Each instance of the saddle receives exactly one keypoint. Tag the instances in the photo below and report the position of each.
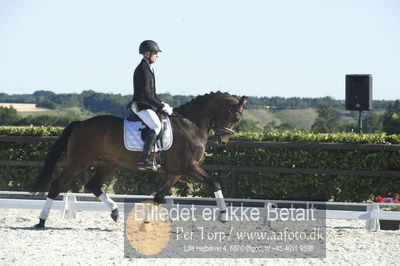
(135, 132)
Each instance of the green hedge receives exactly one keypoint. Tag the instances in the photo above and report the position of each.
(308, 187)
(243, 185)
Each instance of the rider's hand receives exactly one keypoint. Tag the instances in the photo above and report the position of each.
(166, 104)
(168, 109)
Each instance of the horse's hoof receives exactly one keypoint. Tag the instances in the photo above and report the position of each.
(223, 216)
(40, 224)
(114, 215)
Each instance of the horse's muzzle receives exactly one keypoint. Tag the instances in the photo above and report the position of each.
(220, 142)
(222, 132)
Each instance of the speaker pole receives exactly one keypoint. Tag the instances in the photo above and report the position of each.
(360, 122)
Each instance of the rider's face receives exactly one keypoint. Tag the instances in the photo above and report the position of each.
(151, 56)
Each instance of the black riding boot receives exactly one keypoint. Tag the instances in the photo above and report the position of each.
(144, 163)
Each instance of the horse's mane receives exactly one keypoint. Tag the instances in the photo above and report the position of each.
(201, 99)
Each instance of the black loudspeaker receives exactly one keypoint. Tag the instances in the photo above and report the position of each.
(359, 92)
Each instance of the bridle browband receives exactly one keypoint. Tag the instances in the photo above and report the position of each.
(223, 130)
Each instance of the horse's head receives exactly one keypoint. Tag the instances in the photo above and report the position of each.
(219, 111)
(227, 119)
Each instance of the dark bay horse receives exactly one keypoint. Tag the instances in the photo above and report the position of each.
(99, 142)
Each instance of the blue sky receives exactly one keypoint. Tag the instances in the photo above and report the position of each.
(258, 48)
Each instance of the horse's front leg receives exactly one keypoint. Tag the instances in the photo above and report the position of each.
(168, 182)
(203, 176)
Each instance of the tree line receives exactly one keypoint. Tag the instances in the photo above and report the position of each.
(115, 104)
(389, 121)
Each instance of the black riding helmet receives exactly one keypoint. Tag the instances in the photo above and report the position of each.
(149, 45)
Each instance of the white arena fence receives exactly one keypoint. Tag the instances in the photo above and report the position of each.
(70, 203)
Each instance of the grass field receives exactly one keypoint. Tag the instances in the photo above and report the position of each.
(301, 118)
(27, 109)
(73, 111)
(263, 116)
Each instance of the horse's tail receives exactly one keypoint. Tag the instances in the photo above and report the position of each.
(53, 155)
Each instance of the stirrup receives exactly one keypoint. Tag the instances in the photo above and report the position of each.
(147, 165)
(156, 165)
(144, 165)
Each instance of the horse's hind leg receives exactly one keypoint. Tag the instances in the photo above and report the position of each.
(56, 187)
(103, 172)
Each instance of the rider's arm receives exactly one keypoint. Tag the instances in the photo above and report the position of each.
(148, 91)
(143, 80)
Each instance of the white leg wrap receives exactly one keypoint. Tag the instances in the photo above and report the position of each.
(220, 200)
(108, 201)
(46, 209)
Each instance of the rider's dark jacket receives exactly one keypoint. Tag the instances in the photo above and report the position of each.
(145, 88)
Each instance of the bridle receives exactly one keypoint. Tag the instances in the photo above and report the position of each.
(224, 130)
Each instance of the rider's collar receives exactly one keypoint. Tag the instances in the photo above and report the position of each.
(147, 61)
(148, 65)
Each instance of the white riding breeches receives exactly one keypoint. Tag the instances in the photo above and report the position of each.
(149, 117)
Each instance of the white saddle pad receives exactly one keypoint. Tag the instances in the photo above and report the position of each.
(133, 139)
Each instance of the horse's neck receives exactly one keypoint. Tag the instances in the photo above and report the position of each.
(202, 116)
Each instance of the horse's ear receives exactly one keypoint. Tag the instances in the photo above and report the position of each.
(243, 100)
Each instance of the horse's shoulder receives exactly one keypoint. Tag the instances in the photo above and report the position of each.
(180, 121)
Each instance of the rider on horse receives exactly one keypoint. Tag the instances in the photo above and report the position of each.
(145, 102)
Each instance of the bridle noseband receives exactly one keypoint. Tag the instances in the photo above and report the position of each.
(223, 130)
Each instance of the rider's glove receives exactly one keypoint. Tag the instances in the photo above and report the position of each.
(168, 109)
(166, 104)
